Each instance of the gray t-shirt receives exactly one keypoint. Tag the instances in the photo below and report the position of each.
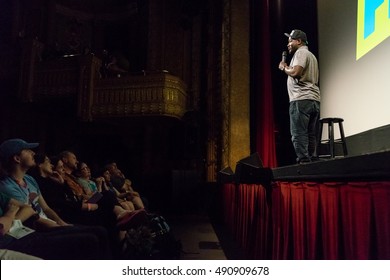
(306, 87)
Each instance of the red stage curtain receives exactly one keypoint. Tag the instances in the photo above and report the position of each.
(356, 220)
(381, 205)
(330, 220)
(229, 205)
(277, 230)
(287, 221)
(297, 218)
(249, 198)
(309, 220)
(260, 237)
(242, 215)
(246, 214)
(265, 127)
(298, 222)
(311, 215)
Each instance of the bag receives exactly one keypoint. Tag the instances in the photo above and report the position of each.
(152, 241)
(166, 246)
(158, 226)
(137, 244)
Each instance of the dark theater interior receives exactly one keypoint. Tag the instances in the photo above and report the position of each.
(186, 97)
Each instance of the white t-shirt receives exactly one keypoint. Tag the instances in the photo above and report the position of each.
(306, 87)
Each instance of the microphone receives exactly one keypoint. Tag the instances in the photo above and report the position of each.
(284, 56)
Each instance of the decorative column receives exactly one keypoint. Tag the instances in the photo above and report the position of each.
(235, 82)
(228, 116)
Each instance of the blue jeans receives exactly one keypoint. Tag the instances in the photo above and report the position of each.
(304, 126)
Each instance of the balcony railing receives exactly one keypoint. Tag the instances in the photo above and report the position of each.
(158, 94)
(155, 93)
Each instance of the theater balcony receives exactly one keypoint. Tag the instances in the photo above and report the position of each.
(148, 93)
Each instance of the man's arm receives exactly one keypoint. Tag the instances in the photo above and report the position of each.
(50, 213)
(8, 217)
(295, 72)
(25, 211)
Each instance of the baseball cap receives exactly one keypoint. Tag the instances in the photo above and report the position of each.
(12, 147)
(297, 34)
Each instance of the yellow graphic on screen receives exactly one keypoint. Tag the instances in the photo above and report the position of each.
(373, 25)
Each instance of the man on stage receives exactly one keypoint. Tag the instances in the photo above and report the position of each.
(304, 94)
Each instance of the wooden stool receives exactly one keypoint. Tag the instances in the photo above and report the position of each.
(330, 141)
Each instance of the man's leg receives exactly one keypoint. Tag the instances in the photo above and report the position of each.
(313, 128)
(14, 255)
(299, 121)
(54, 245)
(99, 232)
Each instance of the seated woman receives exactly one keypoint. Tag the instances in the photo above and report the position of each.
(83, 174)
(105, 212)
(123, 185)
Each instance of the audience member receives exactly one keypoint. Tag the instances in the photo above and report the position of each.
(17, 158)
(59, 244)
(61, 198)
(48, 197)
(126, 219)
(83, 174)
(123, 185)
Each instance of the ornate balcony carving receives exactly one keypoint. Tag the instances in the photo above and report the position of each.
(56, 78)
(145, 94)
(153, 94)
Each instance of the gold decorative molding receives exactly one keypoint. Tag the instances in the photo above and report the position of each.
(147, 94)
(89, 77)
(235, 92)
(226, 83)
(155, 94)
(56, 78)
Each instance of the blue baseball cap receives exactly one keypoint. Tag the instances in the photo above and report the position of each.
(12, 147)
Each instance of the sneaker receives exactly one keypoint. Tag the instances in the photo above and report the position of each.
(304, 160)
(315, 158)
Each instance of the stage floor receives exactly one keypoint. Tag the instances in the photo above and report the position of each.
(374, 166)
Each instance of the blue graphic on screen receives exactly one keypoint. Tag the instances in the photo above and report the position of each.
(369, 16)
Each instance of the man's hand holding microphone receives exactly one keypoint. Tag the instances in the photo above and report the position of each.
(283, 63)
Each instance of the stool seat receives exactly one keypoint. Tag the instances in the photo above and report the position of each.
(334, 120)
(330, 141)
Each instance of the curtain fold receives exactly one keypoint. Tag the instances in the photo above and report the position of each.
(330, 220)
(262, 79)
(261, 236)
(277, 210)
(356, 220)
(298, 220)
(381, 208)
(310, 220)
(229, 205)
(285, 220)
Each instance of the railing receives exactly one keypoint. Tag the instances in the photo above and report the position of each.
(155, 93)
(57, 78)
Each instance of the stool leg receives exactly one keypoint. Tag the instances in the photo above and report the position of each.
(331, 139)
(343, 139)
(319, 136)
